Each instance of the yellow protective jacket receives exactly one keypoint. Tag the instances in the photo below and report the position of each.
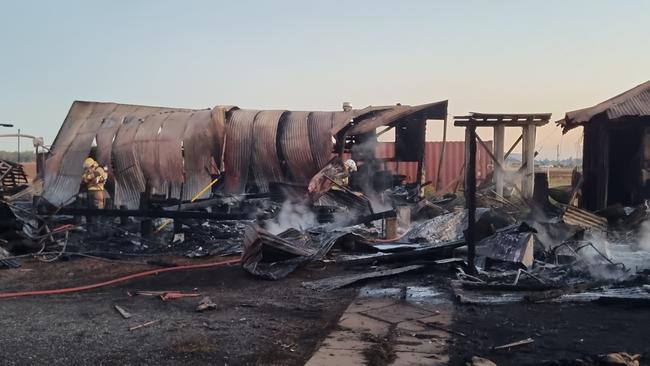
(342, 180)
(95, 178)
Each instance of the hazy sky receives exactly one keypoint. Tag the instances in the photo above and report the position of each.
(487, 56)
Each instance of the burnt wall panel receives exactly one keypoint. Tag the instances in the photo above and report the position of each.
(266, 166)
(595, 166)
(238, 150)
(202, 145)
(294, 143)
(129, 179)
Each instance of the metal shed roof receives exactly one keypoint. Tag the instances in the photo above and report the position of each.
(170, 146)
(632, 103)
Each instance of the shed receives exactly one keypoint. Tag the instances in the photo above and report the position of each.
(616, 150)
(176, 152)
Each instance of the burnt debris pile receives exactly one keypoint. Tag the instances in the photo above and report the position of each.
(285, 190)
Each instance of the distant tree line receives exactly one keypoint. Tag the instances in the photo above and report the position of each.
(25, 156)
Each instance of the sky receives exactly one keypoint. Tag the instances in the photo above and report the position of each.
(483, 56)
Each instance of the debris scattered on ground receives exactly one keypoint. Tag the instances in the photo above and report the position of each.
(329, 284)
(125, 314)
(147, 324)
(480, 361)
(509, 346)
(206, 304)
(167, 296)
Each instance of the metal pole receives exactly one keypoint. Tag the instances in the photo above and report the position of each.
(18, 146)
(470, 196)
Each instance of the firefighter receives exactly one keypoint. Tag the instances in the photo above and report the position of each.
(343, 179)
(94, 177)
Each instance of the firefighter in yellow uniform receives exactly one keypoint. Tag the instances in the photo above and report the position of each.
(94, 177)
(342, 180)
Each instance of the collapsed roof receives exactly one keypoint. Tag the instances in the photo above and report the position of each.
(633, 103)
(179, 151)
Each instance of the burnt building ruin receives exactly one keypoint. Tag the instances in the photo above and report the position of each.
(616, 152)
(177, 152)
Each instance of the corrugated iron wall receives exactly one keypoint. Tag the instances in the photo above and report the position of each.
(452, 165)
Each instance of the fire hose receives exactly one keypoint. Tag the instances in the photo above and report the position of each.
(8, 295)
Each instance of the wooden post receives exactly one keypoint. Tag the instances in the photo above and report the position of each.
(442, 154)
(499, 135)
(420, 179)
(528, 159)
(470, 195)
(146, 224)
(124, 220)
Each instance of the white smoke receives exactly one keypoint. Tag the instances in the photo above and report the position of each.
(292, 216)
(644, 236)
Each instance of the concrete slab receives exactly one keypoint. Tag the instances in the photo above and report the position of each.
(398, 313)
(360, 323)
(361, 305)
(338, 357)
(411, 326)
(419, 359)
(406, 343)
(345, 339)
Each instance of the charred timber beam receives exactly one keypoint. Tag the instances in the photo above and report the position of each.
(437, 252)
(373, 217)
(78, 211)
(470, 196)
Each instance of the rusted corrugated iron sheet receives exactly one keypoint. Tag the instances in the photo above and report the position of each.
(129, 179)
(66, 163)
(180, 156)
(170, 147)
(73, 143)
(632, 103)
(239, 149)
(170, 153)
(266, 166)
(370, 121)
(320, 126)
(452, 166)
(104, 138)
(294, 142)
(146, 149)
(202, 145)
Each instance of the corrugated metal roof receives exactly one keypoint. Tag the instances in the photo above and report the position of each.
(383, 116)
(294, 141)
(169, 147)
(146, 148)
(129, 179)
(266, 166)
(320, 136)
(72, 145)
(203, 148)
(632, 103)
(239, 149)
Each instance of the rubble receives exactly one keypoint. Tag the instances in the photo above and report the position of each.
(206, 304)
(329, 284)
(125, 314)
(503, 244)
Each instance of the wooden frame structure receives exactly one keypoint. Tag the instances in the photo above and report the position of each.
(528, 124)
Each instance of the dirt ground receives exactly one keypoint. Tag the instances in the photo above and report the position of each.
(262, 322)
(560, 332)
(257, 322)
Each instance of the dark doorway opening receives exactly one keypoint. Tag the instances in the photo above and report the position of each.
(625, 158)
